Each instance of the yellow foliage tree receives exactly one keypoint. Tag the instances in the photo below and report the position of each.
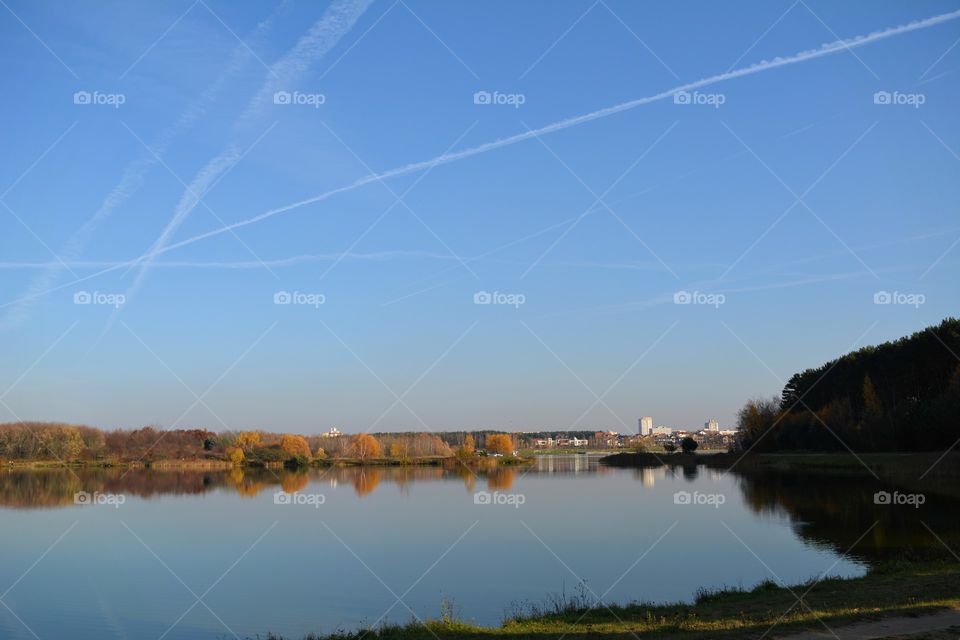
(501, 443)
(247, 440)
(364, 447)
(400, 451)
(235, 455)
(295, 446)
(468, 448)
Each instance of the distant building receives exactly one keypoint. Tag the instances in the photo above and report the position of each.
(607, 439)
(646, 425)
(711, 425)
(333, 433)
(662, 431)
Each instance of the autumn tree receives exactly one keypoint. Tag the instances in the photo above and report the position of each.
(235, 455)
(755, 419)
(500, 443)
(400, 451)
(365, 447)
(295, 447)
(468, 448)
(249, 440)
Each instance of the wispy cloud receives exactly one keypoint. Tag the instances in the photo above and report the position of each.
(133, 176)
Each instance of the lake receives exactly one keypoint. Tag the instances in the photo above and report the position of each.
(202, 555)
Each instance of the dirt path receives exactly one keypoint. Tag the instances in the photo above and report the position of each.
(887, 628)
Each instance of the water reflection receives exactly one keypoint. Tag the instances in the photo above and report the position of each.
(823, 510)
(842, 514)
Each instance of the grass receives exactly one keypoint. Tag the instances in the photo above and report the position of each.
(897, 589)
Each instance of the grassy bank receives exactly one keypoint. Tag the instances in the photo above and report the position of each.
(891, 590)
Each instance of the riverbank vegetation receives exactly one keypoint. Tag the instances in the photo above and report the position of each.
(898, 396)
(53, 444)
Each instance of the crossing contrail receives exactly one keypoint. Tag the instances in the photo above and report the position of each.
(325, 33)
(803, 56)
(134, 174)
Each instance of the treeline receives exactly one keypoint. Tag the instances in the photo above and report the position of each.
(897, 396)
(58, 442)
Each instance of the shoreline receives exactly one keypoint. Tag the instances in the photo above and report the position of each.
(214, 464)
(890, 591)
(933, 472)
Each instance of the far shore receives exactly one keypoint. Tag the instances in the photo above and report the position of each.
(217, 464)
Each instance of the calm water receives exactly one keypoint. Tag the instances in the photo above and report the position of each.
(213, 555)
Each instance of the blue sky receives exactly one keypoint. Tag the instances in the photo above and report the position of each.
(786, 198)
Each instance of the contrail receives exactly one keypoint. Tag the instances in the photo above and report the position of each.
(803, 56)
(336, 22)
(373, 256)
(133, 176)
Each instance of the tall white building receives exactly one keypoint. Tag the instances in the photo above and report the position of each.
(646, 425)
(711, 425)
